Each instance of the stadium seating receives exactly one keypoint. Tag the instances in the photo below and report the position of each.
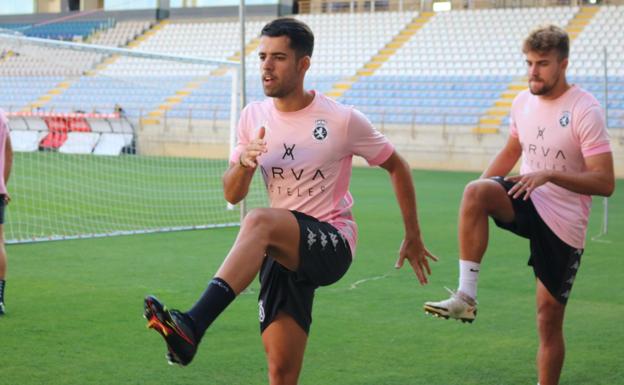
(26, 141)
(473, 42)
(72, 133)
(40, 61)
(58, 128)
(53, 140)
(68, 134)
(99, 125)
(140, 86)
(121, 34)
(79, 143)
(451, 72)
(212, 100)
(19, 91)
(137, 95)
(17, 27)
(453, 69)
(217, 40)
(441, 100)
(343, 43)
(112, 143)
(51, 65)
(68, 30)
(604, 35)
(48, 62)
(120, 137)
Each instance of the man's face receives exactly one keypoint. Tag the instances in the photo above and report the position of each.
(544, 71)
(281, 71)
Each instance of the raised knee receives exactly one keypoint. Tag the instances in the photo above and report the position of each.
(281, 371)
(257, 218)
(257, 224)
(475, 192)
(483, 194)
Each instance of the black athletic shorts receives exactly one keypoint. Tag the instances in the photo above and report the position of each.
(324, 255)
(554, 262)
(2, 206)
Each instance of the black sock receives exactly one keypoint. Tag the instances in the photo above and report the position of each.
(217, 296)
(2, 285)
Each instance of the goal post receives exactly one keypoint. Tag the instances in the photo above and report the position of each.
(112, 141)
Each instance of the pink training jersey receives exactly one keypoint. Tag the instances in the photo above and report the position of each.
(308, 164)
(558, 135)
(4, 132)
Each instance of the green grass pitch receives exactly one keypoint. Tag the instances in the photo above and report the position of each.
(75, 307)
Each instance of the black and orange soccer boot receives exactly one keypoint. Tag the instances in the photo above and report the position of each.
(175, 327)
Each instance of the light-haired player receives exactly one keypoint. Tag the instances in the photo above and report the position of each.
(6, 163)
(302, 144)
(559, 131)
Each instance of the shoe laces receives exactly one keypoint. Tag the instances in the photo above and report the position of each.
(452, 292)
(462, 296)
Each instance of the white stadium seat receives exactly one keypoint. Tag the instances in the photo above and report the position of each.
(112, 144)
(79, 143)
(26, 141)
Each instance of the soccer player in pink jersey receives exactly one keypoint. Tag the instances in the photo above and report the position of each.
(559, 131)
(302, 144)
(6, 162)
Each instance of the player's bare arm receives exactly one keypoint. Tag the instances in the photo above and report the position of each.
(237, 178)
(412, 247)
(597, 178)
(8, 165)
(505, 160)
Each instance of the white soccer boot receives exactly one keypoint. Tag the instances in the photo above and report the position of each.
(460, 306)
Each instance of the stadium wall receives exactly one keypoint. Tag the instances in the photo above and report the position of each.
(454, 148)
(184, 138)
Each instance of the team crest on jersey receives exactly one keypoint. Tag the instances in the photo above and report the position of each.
(320, 130)
(564, 120)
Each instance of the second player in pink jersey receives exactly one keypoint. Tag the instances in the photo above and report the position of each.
(302, 144)
(558, 131)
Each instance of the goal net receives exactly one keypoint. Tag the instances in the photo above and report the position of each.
(111, 141)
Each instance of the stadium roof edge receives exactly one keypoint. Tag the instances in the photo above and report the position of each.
(220, 12)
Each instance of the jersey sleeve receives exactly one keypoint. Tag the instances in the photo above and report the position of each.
(513, 129)
(366, 141)
(592, 132)
(242, 137)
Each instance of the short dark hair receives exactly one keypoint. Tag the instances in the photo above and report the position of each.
(546, 39)
(300, 35)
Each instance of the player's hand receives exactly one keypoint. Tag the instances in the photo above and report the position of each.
(255, 148)
(527, 183)
(7, 198)
(416, 253)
